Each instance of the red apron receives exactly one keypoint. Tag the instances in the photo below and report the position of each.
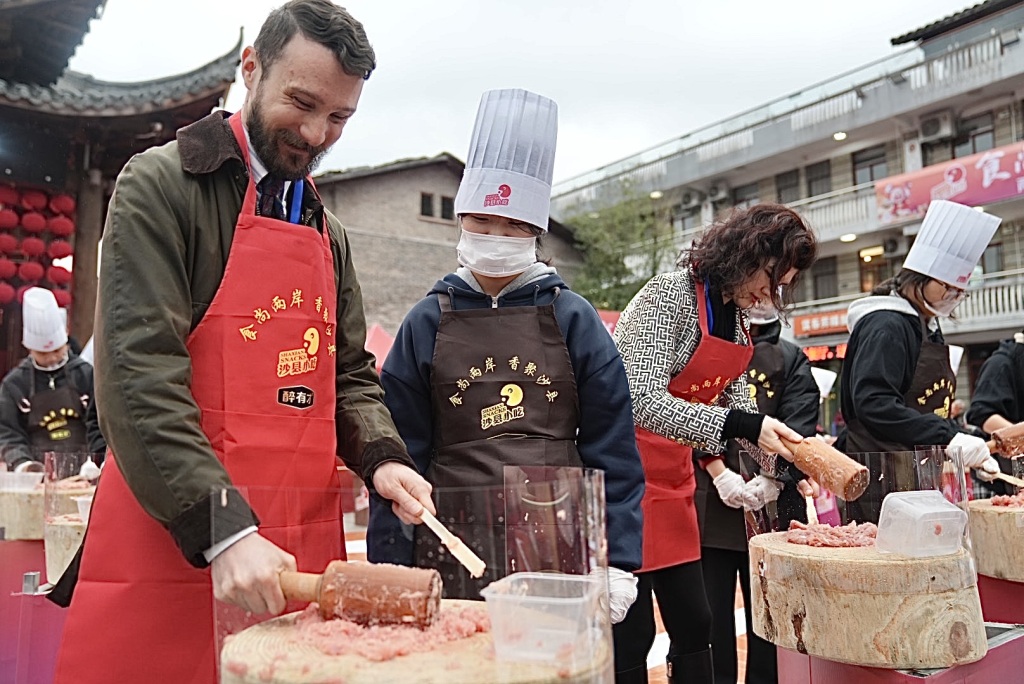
(263, 376)
(671, 533)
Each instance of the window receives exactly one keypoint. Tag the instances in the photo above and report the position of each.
(447, 208)
(819, 178)
(745, 196)
(874, 268)
(869, 165)
(824, 278)
(974, 135)
(426, 204)
(787, 186)
(992, 259)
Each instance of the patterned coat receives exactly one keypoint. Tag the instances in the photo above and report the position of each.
(657, 335)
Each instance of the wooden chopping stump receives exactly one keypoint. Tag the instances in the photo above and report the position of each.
(21, 513)
(997, 535)
(271, 652)
(859, 606)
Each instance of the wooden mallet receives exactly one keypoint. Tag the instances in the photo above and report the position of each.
(832, 469)
(369, 593)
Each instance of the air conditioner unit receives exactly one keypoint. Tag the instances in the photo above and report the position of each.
(718, 192)
(895, 247)
(939, 126)
(692, 199)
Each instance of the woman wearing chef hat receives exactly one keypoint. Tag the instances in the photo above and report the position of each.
(897, 382)
(780, 381)
(501, 364)
(43, 400)
(686, 349)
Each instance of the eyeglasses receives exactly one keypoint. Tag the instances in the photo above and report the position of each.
(953, 294)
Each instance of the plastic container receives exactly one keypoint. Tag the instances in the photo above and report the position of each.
(20, 481)
(543, 617)
(84, 506)
(920, 524)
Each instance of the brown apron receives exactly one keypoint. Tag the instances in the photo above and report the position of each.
(504, 393)
(722, 527)
(56, 418)
(931, 391)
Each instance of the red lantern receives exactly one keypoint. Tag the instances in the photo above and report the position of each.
(58, 275)
(7, 293)
(7, 269)
(61, 225)
(63, 298)
(31, 271)
(33, 222)
(34, 199)
(62, 204)
(58, 249)
(8, 219)
(9, 196)
(33, 246)
(20, 295)
(8, 243)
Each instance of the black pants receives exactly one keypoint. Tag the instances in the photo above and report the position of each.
(684, 610)
(720, 570)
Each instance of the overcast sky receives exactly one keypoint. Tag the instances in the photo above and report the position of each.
(626, 75)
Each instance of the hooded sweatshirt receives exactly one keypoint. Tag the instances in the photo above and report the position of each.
(605, 439)
(881, 357)
(1000, 386)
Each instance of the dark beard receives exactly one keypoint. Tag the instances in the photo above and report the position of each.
(267, 145)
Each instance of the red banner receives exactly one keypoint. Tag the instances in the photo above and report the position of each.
(821, 323)
(982, 178)
(609, 318)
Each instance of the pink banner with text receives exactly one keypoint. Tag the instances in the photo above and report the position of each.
(982, 178)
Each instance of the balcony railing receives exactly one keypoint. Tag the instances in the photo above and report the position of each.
(996, 302)
(850, 210)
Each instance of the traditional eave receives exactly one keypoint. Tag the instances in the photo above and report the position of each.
(79, 95)
(955, 21)
(446, 159)
(38, 37)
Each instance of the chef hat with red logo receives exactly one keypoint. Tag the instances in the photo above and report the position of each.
(951, 241)
(511, 158)
(43, 327)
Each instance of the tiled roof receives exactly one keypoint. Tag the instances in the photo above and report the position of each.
(77, 94)
(445, 158)
(953, 21)
(38, 37)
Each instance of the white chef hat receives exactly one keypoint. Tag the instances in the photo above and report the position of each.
(951, 241)
(762, 313)
(42, 327)
(511, 158)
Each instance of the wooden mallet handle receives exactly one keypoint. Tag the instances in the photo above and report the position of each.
(832, 469)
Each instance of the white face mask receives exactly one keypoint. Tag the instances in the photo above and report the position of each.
(53, 366)
(945, 306)
(496, 255)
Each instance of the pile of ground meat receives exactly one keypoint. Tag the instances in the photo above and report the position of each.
(341, 637)
(825, 535)
(1015, 500)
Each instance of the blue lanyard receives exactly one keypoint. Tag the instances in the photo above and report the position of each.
(295, 215)
(707, 303)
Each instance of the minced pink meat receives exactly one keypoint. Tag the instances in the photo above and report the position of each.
(1015, 500)
(342, 637)
(845, 536)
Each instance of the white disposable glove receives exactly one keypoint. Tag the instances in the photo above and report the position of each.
(730, 486)
(761, 491)
(974, 450)
(621, 593)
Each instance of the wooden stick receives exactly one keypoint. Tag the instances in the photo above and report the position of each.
(462, 553)
(812, 512)
(1015, 481)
